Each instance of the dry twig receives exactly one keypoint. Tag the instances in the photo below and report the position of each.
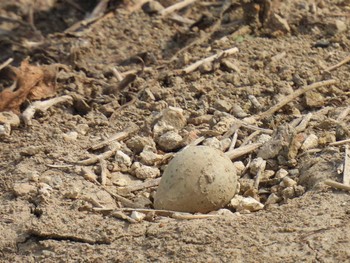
(293, 96)
(42, 106)
(339, 142)
(6, 63)
(101, 156)
(119, 136)
(337, 185)
(212, 58)
(104, 171)
(167, 213)
(242, 150)
(141, 186)
(346, 173)
(341, 63)
(176, 7)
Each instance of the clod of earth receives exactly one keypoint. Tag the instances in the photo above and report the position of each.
(198, 179)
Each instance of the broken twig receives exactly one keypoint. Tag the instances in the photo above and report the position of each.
(346, 173)
(341, 63)
(212, 58)
(242, 150)
(116, 137)
(6, 63)
(102, 156)
(293, 96)
(176, 7)
(43, 106)
(337, 185)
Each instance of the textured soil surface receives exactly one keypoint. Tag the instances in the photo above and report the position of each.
(122, 73)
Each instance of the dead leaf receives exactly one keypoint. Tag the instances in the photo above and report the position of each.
(33, 83)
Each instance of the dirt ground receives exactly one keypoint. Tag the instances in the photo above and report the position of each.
(122, 72)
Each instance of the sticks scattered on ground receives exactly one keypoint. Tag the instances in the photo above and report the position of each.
(293, 96)
(339, 142)
(341, 63)
(337, 185)
(99, 9)
(141, 186)
(175, 7)
(42, 106)
(101, 156)
(346, 173)
(166, 213)
(242, 150)
(119, 136)
(6, 63)
(212, 58)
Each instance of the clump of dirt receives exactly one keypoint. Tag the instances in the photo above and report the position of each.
(265, 82)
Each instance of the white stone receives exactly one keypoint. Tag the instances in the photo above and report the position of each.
(137, 216)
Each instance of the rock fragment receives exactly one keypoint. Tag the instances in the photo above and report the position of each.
(169, 141)
(138, 143)
(23, 189)
(144, 172)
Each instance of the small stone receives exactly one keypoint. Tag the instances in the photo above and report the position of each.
(310, 142)
(82, 129)
(121, 179)
(267, 174)
(263, 138)
(44, 189)
(138, 143)
(222, 105)
(257, 164)
(9, 118)
(250, 204)
(122, 161)
(212, 142)
(272, 199)
(148, 157)
(294, 172)
(287, 182)
(72, 193)
(279, 24)
(239, 165)
(206, 67)
(33, 176)
(299, 190)
(22, 189)
(52, 181)
(246, 184)
(241, 203)
(281, 173)
(314, 99)
(170, 141)
(235, 201)
(152, 7)
(137, 216)
(5, 130)
(336, 27)
(174, 117)
(225, 144)
(238, 112)
(70, 136)
(288, 193)
(144, 172)
(224, 124)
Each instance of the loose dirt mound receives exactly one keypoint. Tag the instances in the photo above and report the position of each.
(101, 94)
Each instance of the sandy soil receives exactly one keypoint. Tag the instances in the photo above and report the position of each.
(53, 211)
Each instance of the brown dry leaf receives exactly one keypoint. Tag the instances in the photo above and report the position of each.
(33, 83)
